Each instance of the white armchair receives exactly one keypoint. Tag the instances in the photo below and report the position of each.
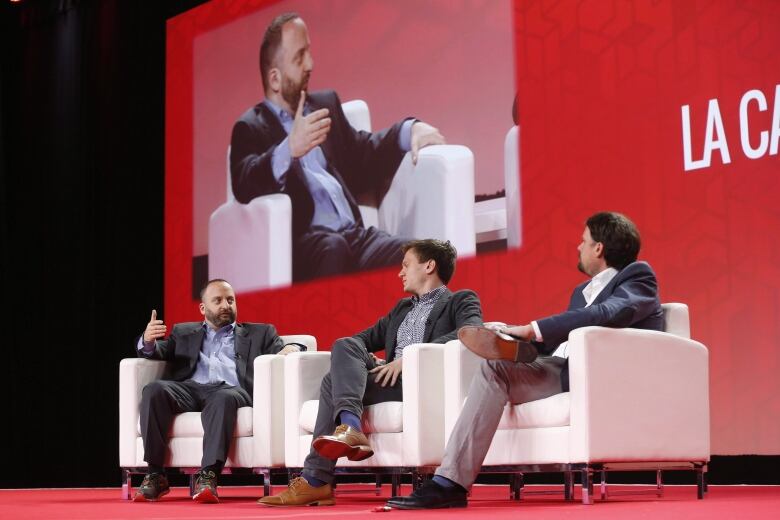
(408, 209)
(259, 433)
(639, 399)
(407, 437)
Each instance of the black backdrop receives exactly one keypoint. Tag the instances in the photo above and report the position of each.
(82, 161)
(82, 89)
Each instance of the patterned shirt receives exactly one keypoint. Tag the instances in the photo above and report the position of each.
(412, 328)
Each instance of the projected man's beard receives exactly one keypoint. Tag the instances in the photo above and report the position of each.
(291, 91)
(221, 319)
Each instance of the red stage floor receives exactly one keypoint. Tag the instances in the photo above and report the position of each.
(722, 502)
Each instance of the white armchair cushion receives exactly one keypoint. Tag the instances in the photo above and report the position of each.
(543, 413)
(378, 418)
(189, 424)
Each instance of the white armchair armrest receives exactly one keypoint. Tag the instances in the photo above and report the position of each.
(460, 364)
(423, 410)
(303, 373)
(409, 209)
(134, 375)
(268, 411)
(637, 395)
(265, 225)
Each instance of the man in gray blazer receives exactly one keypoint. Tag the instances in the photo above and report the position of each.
(621, 292)
(357, 378)
(211, 367)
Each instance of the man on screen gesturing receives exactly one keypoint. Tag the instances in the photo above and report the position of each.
(301, 144)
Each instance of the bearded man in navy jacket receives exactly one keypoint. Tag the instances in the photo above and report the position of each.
(621, 292)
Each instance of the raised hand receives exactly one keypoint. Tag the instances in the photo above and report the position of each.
(424, 135)
(155, 329)
(309, 131)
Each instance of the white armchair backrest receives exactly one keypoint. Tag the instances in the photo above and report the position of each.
(357, 114)
(514, 235)
(230, 196)
(676, 320)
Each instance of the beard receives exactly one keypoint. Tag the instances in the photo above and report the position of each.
(291, 91)
(221, 319)
(581, 267)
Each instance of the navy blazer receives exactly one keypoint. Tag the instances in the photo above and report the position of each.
(450, 312)
(630, 299)
(182, 349)
(363, 163)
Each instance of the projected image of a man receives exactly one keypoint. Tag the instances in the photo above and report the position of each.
(300, 143)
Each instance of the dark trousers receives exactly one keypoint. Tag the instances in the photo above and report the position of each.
(347, 387)
(322, 252)
(218, 403)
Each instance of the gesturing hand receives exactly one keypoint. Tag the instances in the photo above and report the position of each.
(308, 131)
(387, 373)
(155, 329)
(424, 135)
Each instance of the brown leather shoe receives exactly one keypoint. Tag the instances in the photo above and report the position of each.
(300, 493)
(345, 442)
(491, 344)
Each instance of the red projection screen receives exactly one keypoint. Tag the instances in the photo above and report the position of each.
(666, 111)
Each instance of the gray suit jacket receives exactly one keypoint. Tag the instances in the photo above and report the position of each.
(630, 299)
(451, 311)
(182, 349)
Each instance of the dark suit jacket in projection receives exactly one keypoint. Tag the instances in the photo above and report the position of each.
(363, 163)
(629, 300)
(451, 311)
(182, 349)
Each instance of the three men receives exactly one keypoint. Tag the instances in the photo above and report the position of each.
(621, 292)
(433, 314)
(301, 144)
(211, 371)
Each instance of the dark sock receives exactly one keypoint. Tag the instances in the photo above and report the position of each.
(156, 469)
(216, 468)
(350, 419)
(446, 483)
(314, 481)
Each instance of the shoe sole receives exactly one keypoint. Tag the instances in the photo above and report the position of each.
(489, 344)
(205, 497)
(323, 502)
(140, 497)
(446, 505)
(333, 449)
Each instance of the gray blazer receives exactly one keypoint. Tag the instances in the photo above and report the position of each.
(451, 311)
(182, 349)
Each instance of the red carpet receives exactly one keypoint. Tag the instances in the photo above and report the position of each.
(722, 502)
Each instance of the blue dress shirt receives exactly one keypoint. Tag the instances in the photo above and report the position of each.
(331, 208)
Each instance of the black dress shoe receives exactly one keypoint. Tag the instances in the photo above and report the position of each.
(154, 486)
(206, 487)
(491, 344)
(431, 496)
